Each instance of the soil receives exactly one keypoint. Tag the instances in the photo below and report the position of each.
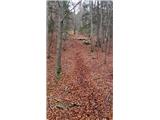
(84, 91)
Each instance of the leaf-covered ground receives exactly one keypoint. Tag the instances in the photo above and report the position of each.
(84, 91)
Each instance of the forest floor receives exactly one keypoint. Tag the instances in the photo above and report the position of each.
(84, 91)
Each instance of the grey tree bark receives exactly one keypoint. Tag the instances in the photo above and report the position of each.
(59, 42)
(100, 28)
(108, 42)
(74, 21)
(98, 43)
(61, 17)
(91, 34)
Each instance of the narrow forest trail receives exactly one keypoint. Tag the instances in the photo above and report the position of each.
(85, 89)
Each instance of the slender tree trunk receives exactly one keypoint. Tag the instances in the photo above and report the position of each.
(49, 42)
(59, 43)
(98, 26)
(79, 21)
(108, 37)
(105, 57)
(74, 22)
(111, 31)
(91, 34)
(50, 32)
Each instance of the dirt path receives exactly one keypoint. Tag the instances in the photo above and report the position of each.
(85, 89)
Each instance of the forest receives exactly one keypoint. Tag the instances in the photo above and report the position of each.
(79, 60)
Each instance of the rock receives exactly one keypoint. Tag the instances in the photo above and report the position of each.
(86, 42)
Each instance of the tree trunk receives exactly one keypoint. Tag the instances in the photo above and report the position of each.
(79, 21)
(98, 26)
(107, 46)
(74, 22)
(59, 43)
(49, 42)
(105, 57)
(91, 34)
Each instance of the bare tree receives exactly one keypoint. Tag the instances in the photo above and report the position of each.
(50, 27)
(101, 22)
(59, 41)
(98, 43)
(108, 40)
(61, 17)
(91, 34)
(74, 21)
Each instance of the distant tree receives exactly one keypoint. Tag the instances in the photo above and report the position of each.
(50, 25)
(98, 43)
(108, 34)
(66, 23)
(91, 34)
(61, 18)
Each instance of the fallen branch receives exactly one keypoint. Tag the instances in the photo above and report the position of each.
(64, 106)
(61, 105)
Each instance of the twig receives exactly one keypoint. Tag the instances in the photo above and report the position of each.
(70, 10)
(58, 3)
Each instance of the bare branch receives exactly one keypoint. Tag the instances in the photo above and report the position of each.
(58, 3)
(71, 10)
